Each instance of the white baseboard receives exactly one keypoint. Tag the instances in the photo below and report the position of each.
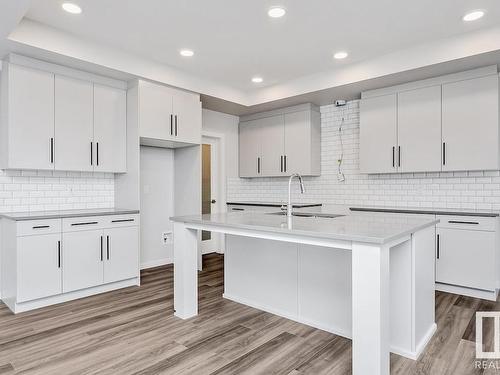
(332, 329)
(470, 292)
(156, 263)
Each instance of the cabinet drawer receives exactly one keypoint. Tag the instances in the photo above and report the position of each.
(76, 224)
(34, 227)
(114, 221)
(467, 222)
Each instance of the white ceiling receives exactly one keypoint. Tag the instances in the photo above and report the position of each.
(234, 40)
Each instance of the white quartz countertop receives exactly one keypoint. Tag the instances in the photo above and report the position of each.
(366, 227)
(40, 215)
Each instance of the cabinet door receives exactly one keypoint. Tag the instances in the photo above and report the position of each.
(30, 118)
(470, 124)
(74, 128)
(272, 137)
(378, 135)
(250, 149)
(466, 258)
(298, 143)
(82, 258)
(155, 111)
(39, 267)
(110, 129)
(419, 129)
(187, 117)
(122, 254)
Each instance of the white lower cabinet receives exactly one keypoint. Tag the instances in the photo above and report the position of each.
(82, 261)
(56, 260)
(39, 259)
(121, 259)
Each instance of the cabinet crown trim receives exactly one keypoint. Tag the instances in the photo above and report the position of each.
(280, 111)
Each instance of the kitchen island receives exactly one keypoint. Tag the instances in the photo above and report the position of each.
(368, 276)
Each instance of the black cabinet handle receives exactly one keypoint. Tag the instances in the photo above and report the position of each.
(97, 152)
(107, 247)
(41, 226)
(444, 153)
(171, 124)
(399, 156)
(52, 150)
(258, 165)
(437, 247)
(58, 254)
(101, 250)
(87, 223)
(237, 209)
(121, 220)
(393, 157)
(91, 153)
(176, 125)
(284, 164)
(463, 222)
(281, 163)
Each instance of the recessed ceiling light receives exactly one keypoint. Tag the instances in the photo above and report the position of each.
(71, 8)
(341, 55)
(473, 16)
(276, 12)
(186, 52)
(257, 79)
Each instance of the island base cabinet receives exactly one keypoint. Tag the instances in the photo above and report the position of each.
(40, 265)
(82, 260)
(121, 260)
(466, 258)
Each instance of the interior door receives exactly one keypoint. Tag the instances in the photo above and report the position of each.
(470, 124)
(272, 136)
(378, 134)
(155, 111)
(110, 129)
(82, 258)
(74, 124)
(31, 118)
(466, 258)
(39, 266)
(297, 135)
(187, 117)
(250, 149)
(419, 128)
(121, 260)
(210, 191)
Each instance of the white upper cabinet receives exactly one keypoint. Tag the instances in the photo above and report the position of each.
(155, 111)
(250, 149)
(378, 150)
(74, 110)
(281, 142)
(187, 117)
(56, 118)
(168, 117)
(470, 124)
(447, 123)
(419, 130)
(110, 129)
(272, 138)
(27, 129)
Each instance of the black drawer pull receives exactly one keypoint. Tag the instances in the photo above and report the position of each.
(237, 209)
(88, 223)
(121, 220)
(58, 254)
(41, 227)
(463, 222)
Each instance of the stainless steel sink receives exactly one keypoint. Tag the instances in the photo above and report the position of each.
(307, 214)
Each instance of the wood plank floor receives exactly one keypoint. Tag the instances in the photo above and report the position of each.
(133, 331)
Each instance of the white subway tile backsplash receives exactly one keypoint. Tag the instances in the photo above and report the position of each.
(51, 190)
(468, 190)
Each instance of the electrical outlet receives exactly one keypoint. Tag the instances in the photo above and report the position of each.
(167, 238)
